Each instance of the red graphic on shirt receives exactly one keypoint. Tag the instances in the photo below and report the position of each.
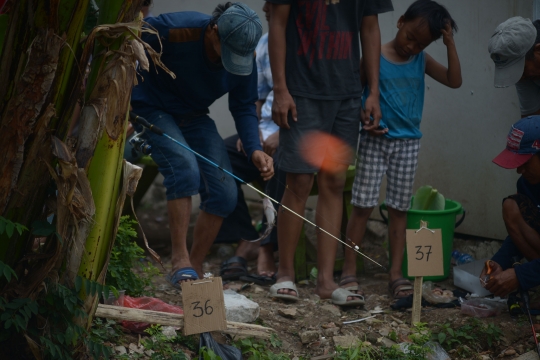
(316, 38)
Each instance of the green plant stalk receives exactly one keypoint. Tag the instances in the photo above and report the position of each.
(104, 174)
(71, 15)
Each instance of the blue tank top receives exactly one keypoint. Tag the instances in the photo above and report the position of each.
(401, 87)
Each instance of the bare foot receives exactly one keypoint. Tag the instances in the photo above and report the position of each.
(350, 283)
(286, 291)
(325, 291)
(266, 265)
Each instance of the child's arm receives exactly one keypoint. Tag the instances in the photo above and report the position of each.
(450, 77)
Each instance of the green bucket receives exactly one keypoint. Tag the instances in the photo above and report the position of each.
(436, 219)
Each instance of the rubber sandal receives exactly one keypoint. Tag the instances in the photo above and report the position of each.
(399, 285)
(289, 285)
(183, 274)
(349, 279)
(236, 263)
(340, 295)
(259, 279)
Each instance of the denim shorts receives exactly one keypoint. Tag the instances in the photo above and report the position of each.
(186, 174)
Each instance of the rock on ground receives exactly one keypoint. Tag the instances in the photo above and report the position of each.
(346, 341)
(531, 355)
(239, 308)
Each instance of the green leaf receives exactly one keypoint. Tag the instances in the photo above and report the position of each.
(441, 337)
(9, 229)
(3, 223)
(78, 283)
(450, 331)
(42, 228)
(87, 286)
(106, 292)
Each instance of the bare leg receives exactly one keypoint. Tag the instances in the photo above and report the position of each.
(248, 250)
(356, 229)
(266, 264)
(329, 212)
(523, 236)
(179, 211)
(396, 233)
(205, 232)
(289, 225)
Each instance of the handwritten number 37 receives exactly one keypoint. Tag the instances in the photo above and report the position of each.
(208, 310)
(420, 254)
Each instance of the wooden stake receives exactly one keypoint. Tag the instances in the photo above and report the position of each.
(417, 300)
(177, 320)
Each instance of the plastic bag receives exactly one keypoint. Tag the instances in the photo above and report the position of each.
(147, 303)
(481, 307)
(434, 296)
(225, 352)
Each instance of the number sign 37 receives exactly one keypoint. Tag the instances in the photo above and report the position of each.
(424, 252)
(204, 307)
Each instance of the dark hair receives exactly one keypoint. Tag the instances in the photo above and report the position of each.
(147, 3)
(434, 14)
(530, 53)
(218, 11)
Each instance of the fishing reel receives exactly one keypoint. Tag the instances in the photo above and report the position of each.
(140, 145)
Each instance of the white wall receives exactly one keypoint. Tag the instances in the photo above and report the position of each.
(464, 128)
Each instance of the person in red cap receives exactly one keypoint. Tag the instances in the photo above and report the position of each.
(521, 213)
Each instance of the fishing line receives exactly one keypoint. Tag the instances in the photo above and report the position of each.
(143, 122)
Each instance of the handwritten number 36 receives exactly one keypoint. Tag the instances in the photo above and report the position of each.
(208, 310)
(420, 254)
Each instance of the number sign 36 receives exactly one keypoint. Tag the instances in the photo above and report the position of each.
(424, 252)
(204, 307)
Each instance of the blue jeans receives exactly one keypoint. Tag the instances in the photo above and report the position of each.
(186, 174)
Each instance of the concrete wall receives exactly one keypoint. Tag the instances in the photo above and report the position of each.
(463, 129)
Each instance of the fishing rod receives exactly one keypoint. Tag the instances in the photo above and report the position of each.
(156, 130)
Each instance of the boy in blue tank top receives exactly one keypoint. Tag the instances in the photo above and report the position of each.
(392, 149)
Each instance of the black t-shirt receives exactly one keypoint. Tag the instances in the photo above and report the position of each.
(323, 46)
(529, 190)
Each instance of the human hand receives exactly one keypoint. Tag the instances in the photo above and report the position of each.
(493, 269)
(282, 105)
(264, 163)
(271, 144)
(503, 283)
(240, 146)
(371, 116)
(448, 35)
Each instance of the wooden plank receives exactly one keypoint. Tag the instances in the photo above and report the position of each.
(177, 320)
(417, 300)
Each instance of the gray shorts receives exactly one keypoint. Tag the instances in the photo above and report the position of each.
(378, 155)
(340, 118)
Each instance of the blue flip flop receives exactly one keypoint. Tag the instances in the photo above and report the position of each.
(187, 273)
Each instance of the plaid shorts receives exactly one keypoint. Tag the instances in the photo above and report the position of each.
(378, 155)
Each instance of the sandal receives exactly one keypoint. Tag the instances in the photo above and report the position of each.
(236, 263)
(340, 295)
(353, 288)
(289, 285)
(400, 285)
(183, 274)
(259, 279)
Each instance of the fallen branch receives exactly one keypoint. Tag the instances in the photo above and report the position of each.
(177, 320)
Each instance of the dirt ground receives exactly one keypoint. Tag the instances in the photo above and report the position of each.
(312, 314)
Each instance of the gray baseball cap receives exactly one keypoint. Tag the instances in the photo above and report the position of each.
(508, 46)
(239, 30)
